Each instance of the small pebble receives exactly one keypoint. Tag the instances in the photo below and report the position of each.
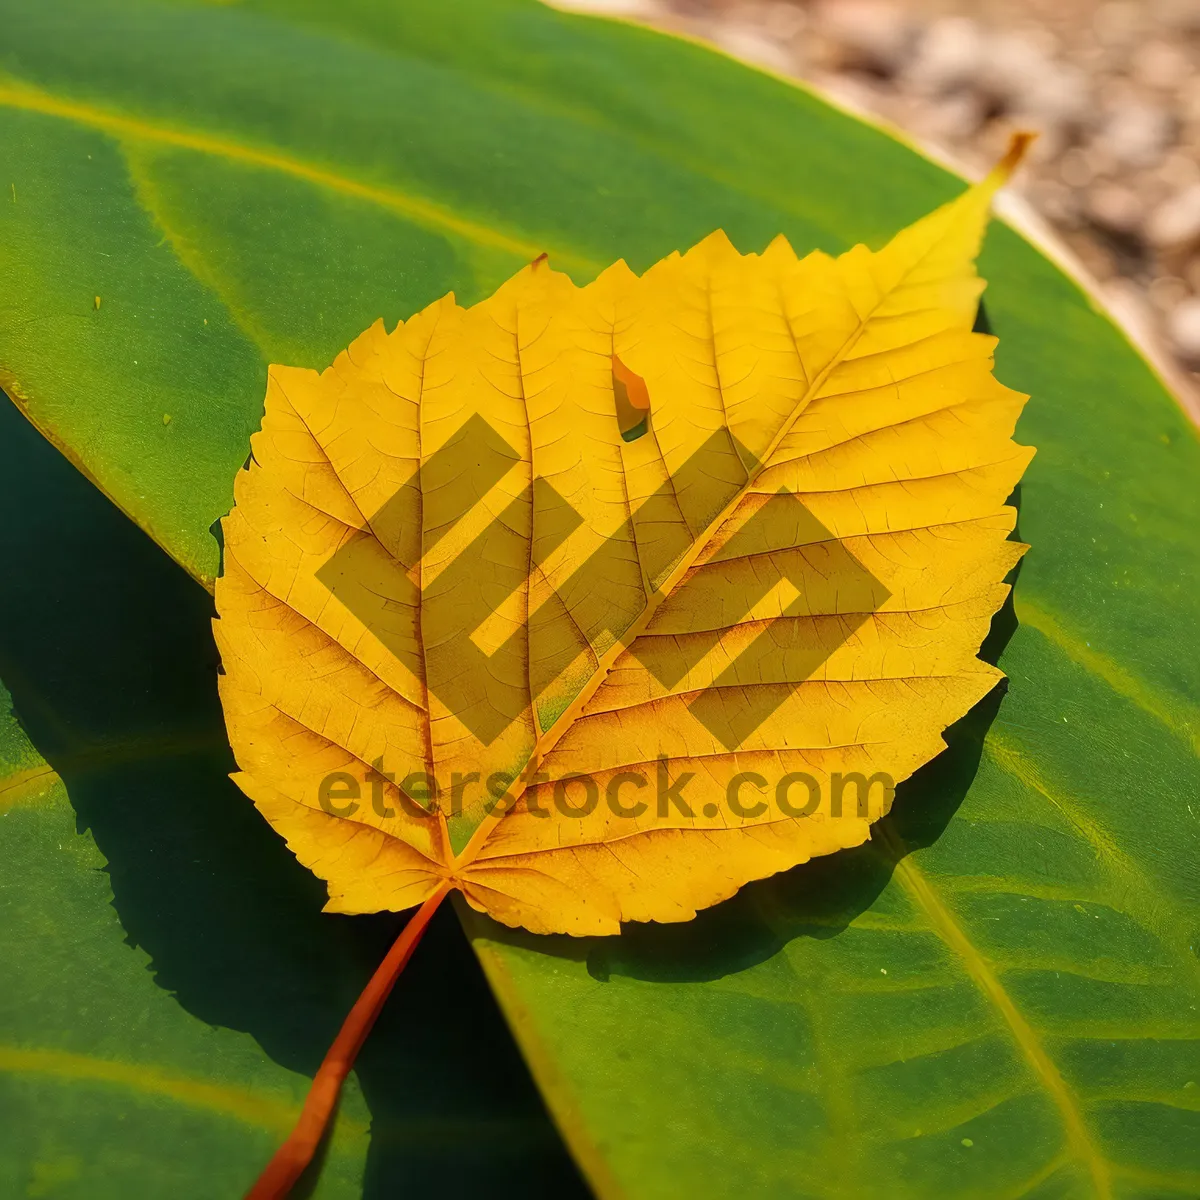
(1160, 65)
(1176, 222)
(1183, 15)
(1076, 169)
(1183, 326)
(949, 55)
(1115, 208)
(1168, 291)
(872, 33)
(1137, 133)
(754, 45)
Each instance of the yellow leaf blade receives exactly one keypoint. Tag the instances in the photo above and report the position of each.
(450, 577)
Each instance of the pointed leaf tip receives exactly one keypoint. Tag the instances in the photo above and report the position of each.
(1018, 146)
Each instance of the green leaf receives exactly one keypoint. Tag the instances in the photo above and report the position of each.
(170, 983)
(238, 188)
(996, 997)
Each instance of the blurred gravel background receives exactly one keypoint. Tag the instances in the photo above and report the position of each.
(1113, 86)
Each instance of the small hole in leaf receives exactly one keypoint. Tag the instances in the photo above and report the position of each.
(632, 401)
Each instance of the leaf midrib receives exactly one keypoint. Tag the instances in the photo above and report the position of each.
(16, 94)
(944, 924)
(241, 1104)
(1145, 902)
(25, 782)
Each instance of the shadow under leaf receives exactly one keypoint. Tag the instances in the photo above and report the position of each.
(106, 648)
(817, 899)
(107, 651)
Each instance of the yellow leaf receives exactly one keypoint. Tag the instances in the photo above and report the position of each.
(596, 603)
